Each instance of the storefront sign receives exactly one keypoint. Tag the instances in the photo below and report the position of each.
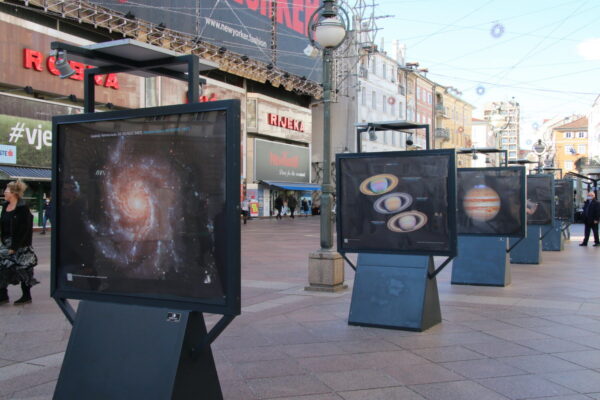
(285, 122)
(276, 118)
(36, 61)
(8, 154)
(281, 162)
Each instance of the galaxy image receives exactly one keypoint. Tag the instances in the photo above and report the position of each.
(540, 192)
(142, 206)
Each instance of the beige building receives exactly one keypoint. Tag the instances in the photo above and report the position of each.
(570, 144)
(453, 122)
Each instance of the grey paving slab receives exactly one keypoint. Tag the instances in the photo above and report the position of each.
(269, 368)
(327, 396)
(555, 345)
(421, 373)
(540, 363)
(500, 349)
(237, 390)
(267, 388)
(588, 359)
(448, 353)
(524, 386)
(357, 379)
(460, 390)
(482, 368)
(581, 381)
(393, 393)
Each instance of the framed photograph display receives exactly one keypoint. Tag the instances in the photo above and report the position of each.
(491, 201)
(397, 202)
(564, 200)
(540, 199)
(146, 207)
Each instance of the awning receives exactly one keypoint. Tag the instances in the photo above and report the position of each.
(30, 174)
(294, 186)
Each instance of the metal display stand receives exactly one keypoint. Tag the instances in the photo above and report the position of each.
(481, 260)
(133, 352)
(395, 291)
(527, 250)
(125, 351)
(553, 240)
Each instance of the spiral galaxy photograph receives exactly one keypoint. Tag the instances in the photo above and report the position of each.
(491, 201)
(142, 205)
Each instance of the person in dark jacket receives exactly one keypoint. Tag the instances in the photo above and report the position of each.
(47, 216)
(591, 216)
(17, 258)
(279, 206)
(292, 204)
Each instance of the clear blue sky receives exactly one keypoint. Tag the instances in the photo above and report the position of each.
(546, 55)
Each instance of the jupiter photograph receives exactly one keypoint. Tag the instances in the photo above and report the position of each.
(491, 201)
(143, 205)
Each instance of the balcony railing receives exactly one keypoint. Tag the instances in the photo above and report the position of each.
(442, 133)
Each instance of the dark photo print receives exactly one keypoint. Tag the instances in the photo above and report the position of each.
(491, 201)
(564, 199)
(141, 206)
(396, 202)
(540, 199)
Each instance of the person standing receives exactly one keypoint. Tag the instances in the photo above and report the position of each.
(245, 210)
(591, 216)
(17, 258)
(47, 210)
(304, 207)
(278, 206)
(292, 204)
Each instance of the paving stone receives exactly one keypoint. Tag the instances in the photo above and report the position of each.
(356, 379)
(287, 386)
(449, 353)
(588, 359)
(269, 368)
(524, 386)
(554, 345)
(421, 373)
(460, 390)
(581, 381)
(482, 368)
(540, 363)
(500, 349)
(393, 393)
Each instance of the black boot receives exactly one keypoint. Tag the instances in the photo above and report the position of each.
(3, 296)
(26, 298)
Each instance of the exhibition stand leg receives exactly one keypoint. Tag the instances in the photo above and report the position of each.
(529, 249)
(552, 237)
(395, 291)
(481, 260)
(128, 352)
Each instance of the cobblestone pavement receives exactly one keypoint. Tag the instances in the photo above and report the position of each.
(538, 338)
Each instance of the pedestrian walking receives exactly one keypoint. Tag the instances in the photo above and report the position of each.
(17, 258)
(245, 208)
(591, 216)
(278, 206)
(292, 204)
(47, 214)
(304, 207)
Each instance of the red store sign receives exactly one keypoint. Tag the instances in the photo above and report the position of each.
(34, 60)
(285, 122)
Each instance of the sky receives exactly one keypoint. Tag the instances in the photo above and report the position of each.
(544, 53)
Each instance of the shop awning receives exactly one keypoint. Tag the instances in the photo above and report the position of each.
(294, 186)
(25, 173)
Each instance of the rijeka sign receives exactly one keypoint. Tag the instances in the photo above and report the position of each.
(36, 61)
(285, 122)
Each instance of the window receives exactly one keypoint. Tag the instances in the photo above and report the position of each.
(581, 134)
(581, 148)
(363, 97)
(429, 98)
(374, 100)
(504, 140)
(400, 111)
(384, 103)
(568, 135)
(568, 165)
(512, 154)
(384, 70)
(393, 74)
(512, 147)
(569, 149)
(373, 66)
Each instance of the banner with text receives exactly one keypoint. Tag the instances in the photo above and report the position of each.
(281, 162)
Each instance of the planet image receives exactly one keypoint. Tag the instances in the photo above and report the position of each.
(392, 203)
(481, 203)
(378, 184)
(405, 222)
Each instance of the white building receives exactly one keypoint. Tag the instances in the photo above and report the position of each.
(482, 136)
(594, 129)
(509, 114)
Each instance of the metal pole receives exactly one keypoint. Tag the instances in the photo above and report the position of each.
(327, 188)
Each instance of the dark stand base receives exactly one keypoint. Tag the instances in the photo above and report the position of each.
(529, 250)
(481, 260)
(131, 352)
(394, 291)
(553, 239)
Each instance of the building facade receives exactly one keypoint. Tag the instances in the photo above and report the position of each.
(453, 123)
(571, 143)
(505, 116)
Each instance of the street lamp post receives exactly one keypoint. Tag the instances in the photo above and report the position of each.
(327, 29)
(539, 148)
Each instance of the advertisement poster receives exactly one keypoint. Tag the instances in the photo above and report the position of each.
(564, 199)
(400, 202)
(281, 162)
(540, 199)
(142, 206)
(491, 201)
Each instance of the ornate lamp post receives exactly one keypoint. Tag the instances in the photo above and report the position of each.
(327, 29)
(539, 148)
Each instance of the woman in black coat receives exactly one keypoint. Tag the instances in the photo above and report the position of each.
(17, 258)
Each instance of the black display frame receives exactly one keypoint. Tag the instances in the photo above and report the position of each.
(523, 195)
(451, 196)
(552, 201)
(571, 217)
(231, 304)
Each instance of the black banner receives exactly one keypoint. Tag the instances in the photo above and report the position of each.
(540, 199)
(242, 26)
(400, 202)
(491, 201)
(281, 162)
(565, 200)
